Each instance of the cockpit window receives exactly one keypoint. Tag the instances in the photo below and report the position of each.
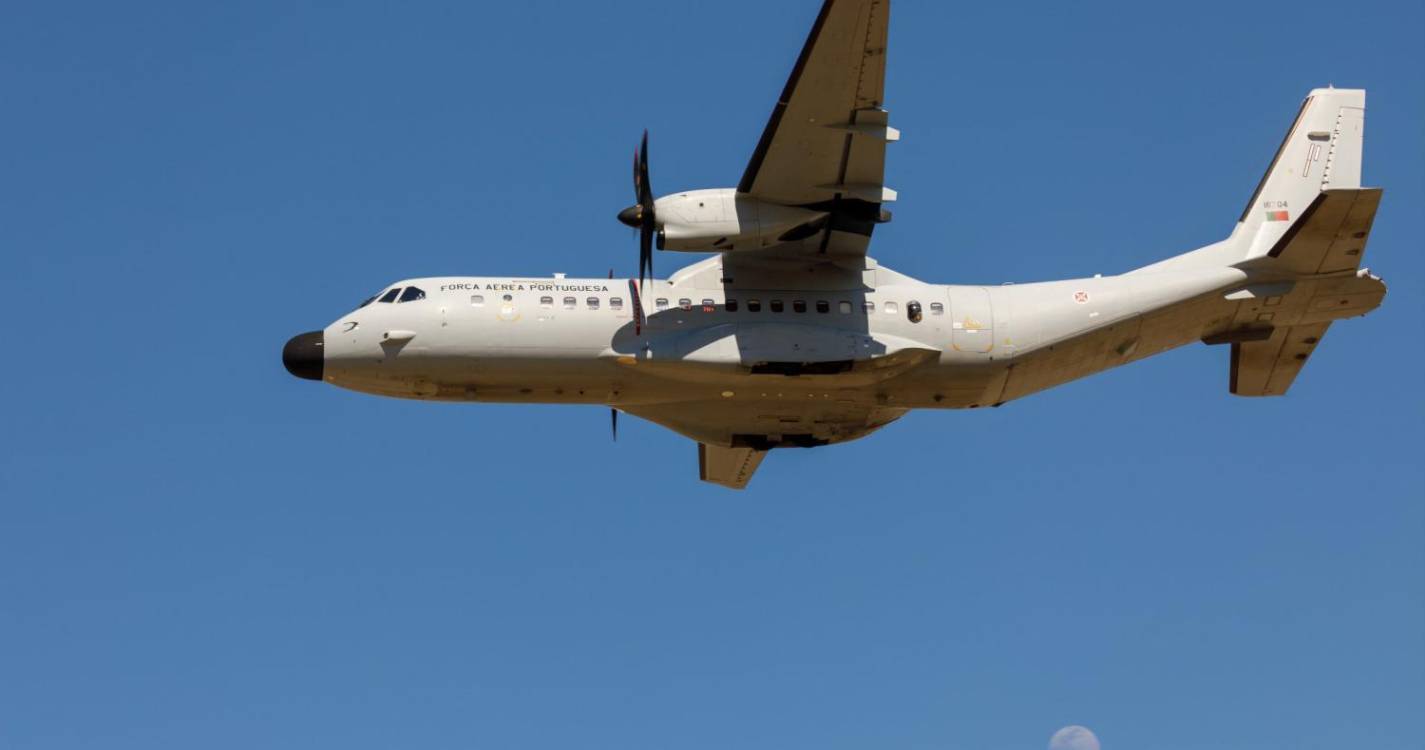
(412, 294)
(391, 295)
(369, 300)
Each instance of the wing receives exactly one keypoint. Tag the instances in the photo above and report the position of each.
(729, 467)
(825, 145)
(734, 436)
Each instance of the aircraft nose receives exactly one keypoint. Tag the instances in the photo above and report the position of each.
(302, 356)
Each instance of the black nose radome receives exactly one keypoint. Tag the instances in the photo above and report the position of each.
(302, 356)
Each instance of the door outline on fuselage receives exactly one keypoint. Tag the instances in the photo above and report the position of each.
(972, 324)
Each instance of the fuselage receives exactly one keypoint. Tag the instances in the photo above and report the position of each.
(888, 341)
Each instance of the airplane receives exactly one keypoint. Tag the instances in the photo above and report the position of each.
(792, 336)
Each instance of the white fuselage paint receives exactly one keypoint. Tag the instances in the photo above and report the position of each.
(517, 340)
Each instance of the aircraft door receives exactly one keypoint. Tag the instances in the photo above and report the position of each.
(971, 319)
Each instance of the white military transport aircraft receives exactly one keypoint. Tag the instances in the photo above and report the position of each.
(791, 336)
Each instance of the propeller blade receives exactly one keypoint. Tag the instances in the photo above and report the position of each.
(642, 214)
(645, 253)
(613, 416)
(637, 180)
(641, 181)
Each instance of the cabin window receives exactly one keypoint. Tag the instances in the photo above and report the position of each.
(709, 305)
(731, 305)
(799, 305)
(592, 302)
(912, 311)
(685, 303)
(391, 295)
(477, 300)
(823, 307)
(937, 308)
(868, 306)
(892, 308)
(570, 303)
(615, 303)
(546, 302)
(754, 305)
(661, 303)
(412, 294)
(843, 307)
(508, 298)
(776, 305)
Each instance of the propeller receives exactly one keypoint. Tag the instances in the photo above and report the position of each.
(613, 416)
(641, 215)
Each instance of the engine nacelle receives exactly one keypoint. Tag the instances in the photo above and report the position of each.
(722, 220)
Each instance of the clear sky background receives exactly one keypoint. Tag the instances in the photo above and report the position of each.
(198, 550)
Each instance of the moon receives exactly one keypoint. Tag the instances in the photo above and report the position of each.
(1073, 738)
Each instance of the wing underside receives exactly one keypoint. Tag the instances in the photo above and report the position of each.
(729, 467)
(734, 436)
(824, 146)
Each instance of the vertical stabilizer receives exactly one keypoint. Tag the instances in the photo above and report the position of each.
(1322, 151)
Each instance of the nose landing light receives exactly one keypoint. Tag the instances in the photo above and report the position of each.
(303, 355)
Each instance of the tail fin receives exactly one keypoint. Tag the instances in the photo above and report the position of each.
(1321, 152)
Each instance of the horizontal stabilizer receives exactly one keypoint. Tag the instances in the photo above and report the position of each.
(729, 467)
(1269, 366)
(1329, 236)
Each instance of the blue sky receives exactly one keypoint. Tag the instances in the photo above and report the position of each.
(197, 550)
